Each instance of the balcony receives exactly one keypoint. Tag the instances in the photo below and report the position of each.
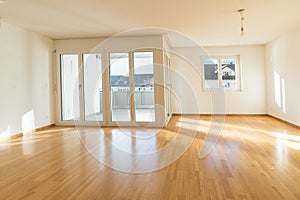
(120, 105)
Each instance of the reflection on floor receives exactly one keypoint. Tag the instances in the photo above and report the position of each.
(255, 158)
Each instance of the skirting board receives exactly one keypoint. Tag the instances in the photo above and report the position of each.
(174, 114)
(245, 115)
(284, 121)
(25, 133)
(206, 114)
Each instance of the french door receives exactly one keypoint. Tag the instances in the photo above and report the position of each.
(110, 89)
(132, 87)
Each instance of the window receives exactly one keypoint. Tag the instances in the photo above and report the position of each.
(221, 71)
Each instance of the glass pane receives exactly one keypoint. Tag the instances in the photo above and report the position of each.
(120, 87)
(167, 86)
(92, 79)
(144, 87)
(69, 87)
(211, 73)
(229, 72)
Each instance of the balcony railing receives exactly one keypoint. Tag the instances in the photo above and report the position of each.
(121, 99)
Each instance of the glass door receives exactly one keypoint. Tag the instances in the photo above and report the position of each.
(144, 87)
(124, 93)
(70, 103)
(92, 87)
(120, 100)
(167, 86)
(132, 87)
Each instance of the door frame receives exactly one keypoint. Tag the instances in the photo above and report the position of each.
(160, 114)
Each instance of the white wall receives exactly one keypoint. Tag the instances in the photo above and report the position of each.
(112, 44)
(283, 70)
(190, 97)
(25, 79)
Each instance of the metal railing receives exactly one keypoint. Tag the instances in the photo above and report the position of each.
(143, 99)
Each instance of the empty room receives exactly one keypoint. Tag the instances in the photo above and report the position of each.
(166, 100)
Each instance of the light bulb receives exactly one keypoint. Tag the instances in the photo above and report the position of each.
(242, 33)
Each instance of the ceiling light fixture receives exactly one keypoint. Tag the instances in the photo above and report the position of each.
(2, 1)
(241, 11)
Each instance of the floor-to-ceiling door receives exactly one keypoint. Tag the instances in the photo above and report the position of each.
(120, 92)
(70, 96)
(92, 87)
(144, 106)
(132, 87)
(128, 97)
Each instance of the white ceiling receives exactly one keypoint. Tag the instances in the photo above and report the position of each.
(208, 22)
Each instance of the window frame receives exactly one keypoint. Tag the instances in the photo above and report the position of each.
(238, 72)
